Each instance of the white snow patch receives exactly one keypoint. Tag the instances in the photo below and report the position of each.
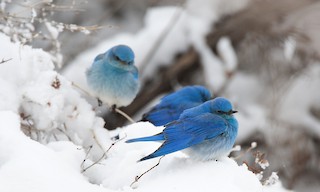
(289, 48)
(300, 97)
(227, 54)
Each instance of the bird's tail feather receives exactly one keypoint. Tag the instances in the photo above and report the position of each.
(158, 137)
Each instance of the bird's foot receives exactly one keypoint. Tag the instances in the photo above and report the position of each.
(113, 108)
(100, 103)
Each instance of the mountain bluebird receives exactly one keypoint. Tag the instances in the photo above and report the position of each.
(205, 132)
(113, 78)
(171, 106)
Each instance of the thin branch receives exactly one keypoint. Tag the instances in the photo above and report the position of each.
(95, 138)
(5, 60)
(86, 157)
(136, 179)
(64, 131)
(103, 155)
(253, 145)
(124, 115)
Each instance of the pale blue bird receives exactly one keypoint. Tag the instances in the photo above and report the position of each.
(171, 106)
(113, 77)
(205, 132)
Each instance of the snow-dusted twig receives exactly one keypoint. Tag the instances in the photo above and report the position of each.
(25, 23)
(86, 157)
(260, 159)
(253, 169)
(136, 179)
(272, 179)
(5, 60)
(102, 157)
(252, 146)
(262, 162)
(64, 132)
(96, 139)
(56, 83)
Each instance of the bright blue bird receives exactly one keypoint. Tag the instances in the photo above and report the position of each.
(171, 106)
(113, 77)
(205, 132)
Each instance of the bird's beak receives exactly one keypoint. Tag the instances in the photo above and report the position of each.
(232, 112)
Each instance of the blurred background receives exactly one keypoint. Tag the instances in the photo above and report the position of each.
(262, 54)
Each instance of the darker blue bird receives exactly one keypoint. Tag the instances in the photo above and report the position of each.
(205, 132)
(171, 106)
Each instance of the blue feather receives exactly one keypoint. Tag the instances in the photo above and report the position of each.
(158, 137)
(207, 131)
(172, 105)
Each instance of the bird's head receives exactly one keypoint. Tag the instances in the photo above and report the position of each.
(121, 56)
(222, 107)
(205, 93)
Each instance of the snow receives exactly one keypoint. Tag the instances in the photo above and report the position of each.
(289, 48)
(44, 149)
(30, 166)
(302, 94)
(54, 31)
(227, 53)
(27, 165)
(51, 138)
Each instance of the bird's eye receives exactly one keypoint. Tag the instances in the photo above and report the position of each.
(219, 111)
(117, 58)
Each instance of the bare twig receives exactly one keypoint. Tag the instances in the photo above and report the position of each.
(253, 145)
(64, 131)
(103, 155)
(136, 179)
(5, 60)
(124, 115)
(86, 157)
(253, 169)
(95, 138)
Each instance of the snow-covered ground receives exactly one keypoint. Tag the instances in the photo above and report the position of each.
(52, 139)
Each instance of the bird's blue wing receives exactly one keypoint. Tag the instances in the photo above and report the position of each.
(172, 105)
(135, 72)
(197, 94)
(161, 116)
(187, 132)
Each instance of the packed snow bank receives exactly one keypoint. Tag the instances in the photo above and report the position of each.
(176, 171)
(26, 165)
(50, 107)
